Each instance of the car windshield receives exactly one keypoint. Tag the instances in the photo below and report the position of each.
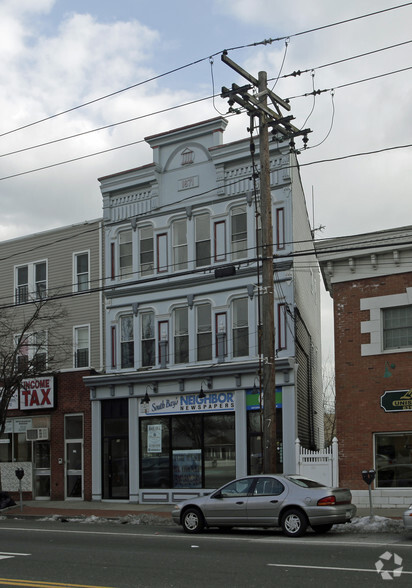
(305, 482)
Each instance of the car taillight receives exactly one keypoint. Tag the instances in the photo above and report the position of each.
(327, 501)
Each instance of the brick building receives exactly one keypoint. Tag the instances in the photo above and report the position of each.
(369, 277)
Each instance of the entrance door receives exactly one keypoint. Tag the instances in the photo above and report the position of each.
(74, 456)
(116, 467)
(41, 459)
(74, 469)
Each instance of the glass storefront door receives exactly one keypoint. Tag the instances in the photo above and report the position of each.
(74, 456)
(116, 468)
(41, 455)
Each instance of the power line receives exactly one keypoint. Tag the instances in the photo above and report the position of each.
(316, 92)
(185, 66)
(344, 60)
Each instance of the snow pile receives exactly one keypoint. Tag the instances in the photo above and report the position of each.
(372, 524)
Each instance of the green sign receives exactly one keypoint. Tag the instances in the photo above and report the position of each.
(397, 400)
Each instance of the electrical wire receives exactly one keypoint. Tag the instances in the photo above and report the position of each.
(195, 62)
(346, 59)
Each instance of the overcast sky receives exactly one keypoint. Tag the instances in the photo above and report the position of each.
(59, 54)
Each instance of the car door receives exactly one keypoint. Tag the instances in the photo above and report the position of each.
(228, 506)
(265, 502)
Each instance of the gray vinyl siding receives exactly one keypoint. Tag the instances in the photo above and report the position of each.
(57, 247)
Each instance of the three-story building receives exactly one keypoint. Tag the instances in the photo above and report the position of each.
(177, 411)
(48, 429)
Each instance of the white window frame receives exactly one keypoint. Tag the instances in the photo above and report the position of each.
(76, 347)
(32, 284)
(30, 338)
(374, 326)
(76, 282)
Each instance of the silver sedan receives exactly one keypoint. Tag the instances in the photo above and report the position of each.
(292, 502)
(407, 518)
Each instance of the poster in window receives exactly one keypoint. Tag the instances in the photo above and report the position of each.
(187, 468)
(154, 438)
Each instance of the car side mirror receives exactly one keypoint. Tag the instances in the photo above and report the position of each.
(217, 495)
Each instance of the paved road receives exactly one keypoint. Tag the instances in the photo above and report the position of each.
(123, 556)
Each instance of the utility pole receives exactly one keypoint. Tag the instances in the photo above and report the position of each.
(258, 107)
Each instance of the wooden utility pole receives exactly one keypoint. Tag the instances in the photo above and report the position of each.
(268, 330)
(257, 106)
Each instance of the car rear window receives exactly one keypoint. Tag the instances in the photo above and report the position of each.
(305, 482)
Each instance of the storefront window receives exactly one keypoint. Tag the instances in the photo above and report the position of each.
(187, 451)
(219, 449)
(393, 460)
(155, 450)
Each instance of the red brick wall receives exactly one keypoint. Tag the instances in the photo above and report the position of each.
(70, 397)
(360, 381)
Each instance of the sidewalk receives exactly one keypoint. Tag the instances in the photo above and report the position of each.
(117, 510)
(68, 509)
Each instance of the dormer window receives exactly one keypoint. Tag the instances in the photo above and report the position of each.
(188, 156)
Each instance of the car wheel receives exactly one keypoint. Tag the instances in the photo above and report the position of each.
(321, 528)
(294, 523)
(193, 521)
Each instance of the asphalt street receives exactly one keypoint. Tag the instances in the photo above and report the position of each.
(52, 554)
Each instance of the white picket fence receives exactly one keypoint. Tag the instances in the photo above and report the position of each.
(321, 465)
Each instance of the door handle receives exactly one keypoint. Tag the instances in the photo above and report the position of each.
(274, 501)
(240, 503)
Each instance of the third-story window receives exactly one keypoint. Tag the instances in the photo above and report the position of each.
(239, 232)
(148, 339)
(180, 244)
(397, 327)
(126, 341)
(204, 332)
(81, 346)
(181, 338)
(202, 231)
(146, 245)
(31, 282)
(125, 254)
(81, 270)
(240, 330)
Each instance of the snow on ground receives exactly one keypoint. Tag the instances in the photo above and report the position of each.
(374, 524)
(367, 524)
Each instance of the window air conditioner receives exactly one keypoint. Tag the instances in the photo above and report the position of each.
(37, 434)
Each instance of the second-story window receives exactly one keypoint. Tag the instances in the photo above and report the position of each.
(179, 229)
(181, 336)
(204, 332)
(31, 282)
(125, 254)
(126, 342)
(240, 329)
(148, 339)
(31, 352)
(202, 236)
(81, 346)
(146, 246)
(81, 272)
(239, 232)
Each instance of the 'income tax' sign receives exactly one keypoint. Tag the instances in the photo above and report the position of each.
(37, 393)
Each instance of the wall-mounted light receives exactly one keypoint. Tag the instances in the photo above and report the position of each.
(209, 384)
(238, 380)
(112, 390)
(131, 389)
(146, 397)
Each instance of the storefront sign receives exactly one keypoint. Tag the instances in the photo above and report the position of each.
(253, 400)
(187, 468)
(397, 400)
(37, 393)
(17, 425)
(189, 403)
(154, 438)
